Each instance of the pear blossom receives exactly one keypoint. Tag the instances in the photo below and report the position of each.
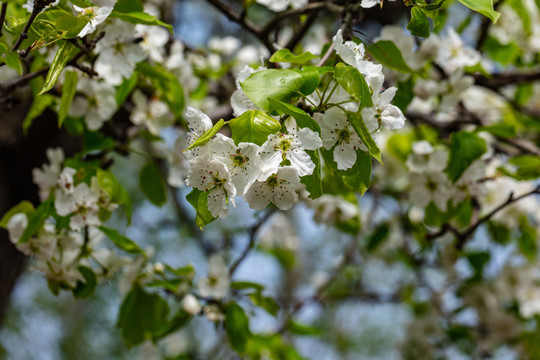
(95, 14)
(281, 5)
(191, 305)
(198, 123)
(153, 113)
(239, 100)
(97, 106)
(178, 163)
(217, 283)
(330, 209)
(82, 204)
(243, 161)
(454, 54)
(278, 188)
(46, 178)
(16, 226)
(384, 113)
(354, 54)
(214, 177)
(337, 131)
(152, 40)
(290, 146)
(118, 53)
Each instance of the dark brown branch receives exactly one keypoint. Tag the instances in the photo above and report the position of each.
(252, 232)
(497, 81)
(301, 32)
(3, 12)
(238, 18)
(484, 28)
(464, 236)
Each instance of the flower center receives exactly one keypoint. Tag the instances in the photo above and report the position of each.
(238, 160)
(273, 181)
(343, 136)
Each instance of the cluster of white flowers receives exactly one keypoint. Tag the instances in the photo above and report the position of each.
(69, 238)
(257, 173)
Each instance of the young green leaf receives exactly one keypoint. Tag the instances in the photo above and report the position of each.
(208, 135)
(237, 324)
(68, 92)
(484, 7)
(24, 207)
(199, 200)
(152, 184)
(389, 55)
(121, 241)
(465, 148)
(361, 129)
(279, 84)
(354, 83)
(253, 126)
(419, 23)
(285, 55)
(63, 55)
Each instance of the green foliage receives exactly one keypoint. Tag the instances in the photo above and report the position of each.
(65, 52)
(199, 200)
(484, 7)
(85, 289)
(24, 207)
(465, 148)
(354, 83)
(152, 184)
(361, 129)
(285, 55)
(419, 23)
(69, 88)
(253, 126)
(208, 135)
(122, 241)
(141, 316)
(282, 85)
(389, 55)
(237, 325)
(140, 17)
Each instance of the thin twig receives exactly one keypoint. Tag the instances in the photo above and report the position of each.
(326, 56)
(252, 232)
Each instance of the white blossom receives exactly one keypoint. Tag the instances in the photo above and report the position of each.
(198, 123)
(217, 283)
(337, 131)
(153, 113)
(290, 146)
(95, 14)
(191, 305)
(278, 188)
(384, 113)
(214, 177)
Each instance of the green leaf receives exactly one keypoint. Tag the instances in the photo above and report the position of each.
(139, 17)
(505, 54)
(355, 118)
(484, 7)
(282, 85)
(128, 6)
(63, 55)
(303, 120)
(37, 108)
(465, 148)
(499, 233)
(419, 23)
(24, 207)
(502, 130)
(199, 200)
(354, 83)
(378, 237)
(108, 182)
(121, 241)
(208, 135)
(68, 92)
(310, 80)
(141, 316)
(285, 55)
(389, 55)
(358, 177)
(242, 285)
(13, 61)
(253, 126)
(152, 184)
(313, 182)
(179, 320)
(168, 85)
(237, 324)
(85, 289)
(70, 25)
(96, 140)
(125, 89)
(265, 302)
(36, 220)
(528, 167)
(301, 329)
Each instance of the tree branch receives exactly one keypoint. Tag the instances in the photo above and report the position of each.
(3, 17)
(252, 232)
(464, 236)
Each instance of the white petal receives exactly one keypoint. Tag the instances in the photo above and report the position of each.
(345, 156)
